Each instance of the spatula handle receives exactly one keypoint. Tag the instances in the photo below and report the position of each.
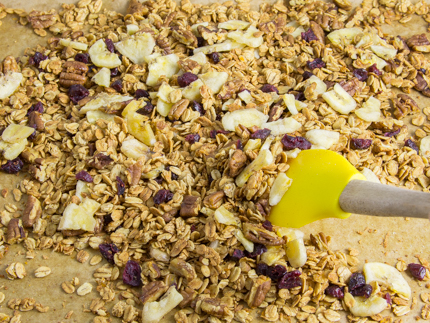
(364, 197)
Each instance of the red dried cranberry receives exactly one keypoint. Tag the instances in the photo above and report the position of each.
(261, 269)
(109, 45)
(131, 274)
(268, 225)
(12, 166)
(85, 176)
(200, 42)
(162, 196)
(213, 133)
(316, 63)
(276, 272)
(114, 72)
(417, 271)
(290, 280)
(355, 281)
(186, 79)
(108, 250)
(193, 228)
(215, 57)
(291, 143)
(192, 138)
(309, 35)
(38, 107)
(392, 133)
(198, 107)
(267, 88)
(36, 59)
(365, 291)
(33, 135)
(173, 176)
(102, 160)
(334, 291)
(261, 134)
(306, 75)
(140, 93)
(117, 85)
(218, 117)
(299, 96)
(237, 254)
(411, 144)
(159, 179)
(360, 74)
(146, 110)
(120, 186)
(422, 70)
(91, 148)
(259, 249)
(83, 58)
(360, 143)
(387, 297)
(373, 69)
(77, 92)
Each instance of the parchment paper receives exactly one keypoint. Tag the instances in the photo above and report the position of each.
(405, 238)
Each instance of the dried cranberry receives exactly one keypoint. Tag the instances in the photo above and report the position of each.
(392, 133)
(259, 249)
(355, 281)
(418, 271)
(360, 143)
(334, 291)
(186, 79)
(218, 117)
(291, 143)
(77, 92)
(213, 133)
(215, 57)
(276, 272)
(299, 96)
(411, 144)
(38, 107)
(140, 93)
(387, 297)
(261, 269)
(360, 74)
(198, 107)
(114, 72)
(146, 110)
(159, 179)
(192, 138)
(12, 166)
(306, 75)
(309, 35)
(85, 176)
(109, 45)
(162, 196)
(33, 135)
(268, 225)
(193, 228)
(117, 85)
(36, 59)
(237, 254)
(316, 63)
(365, 291)
(373, 69)
(131, 274)
(239, 144)
(120, 186)
(108, 250)
(267, 88)
(200, 41)
(173, 176)
(290, 280)
(261, 134)
(83, 58)
(422, 70)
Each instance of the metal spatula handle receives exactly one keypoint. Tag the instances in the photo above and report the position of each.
(364, 197)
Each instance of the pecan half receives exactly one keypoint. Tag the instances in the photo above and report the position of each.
(189, 295)
(73, 73)
(263, 207)
(318, 31)
(35, 121)
(404, 105)
(215, 307)
(178, 108)
(164, 44)
(134, 173)
(258, 234)
(276, 111)
(184, 36)
(40, 20)
(258, 291)
(421, 83)
(190, 65)
(214, 200)
(190, 206)
(178, 247)
(32, 211)
(182, 268)
(15, 231)
(152, 291)
(237, 162)
(420, 43)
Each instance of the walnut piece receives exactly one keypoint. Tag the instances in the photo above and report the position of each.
(274, 26)
(178, 108)
(190, 65)
(32, 212)
(259, 290)
(152, 291)
(182, 268)
(190, 206)
(40, 20)
(215, 307)
(258, 234)
(35, 121)
(237, 162)
(15, 231)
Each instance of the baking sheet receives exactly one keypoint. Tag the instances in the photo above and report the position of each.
(376, 239)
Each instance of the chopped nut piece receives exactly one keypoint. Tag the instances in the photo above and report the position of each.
(259, 290)
(215, 307)
(190, 206)
(214, 200)
(237, 162)
(182, 268)
(32, 212)
(152, 291)
(260, 235)
(15, 231)
(420, 43)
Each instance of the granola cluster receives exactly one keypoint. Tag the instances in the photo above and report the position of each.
(161, 137)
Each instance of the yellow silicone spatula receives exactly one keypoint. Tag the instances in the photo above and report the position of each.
(326, 185)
